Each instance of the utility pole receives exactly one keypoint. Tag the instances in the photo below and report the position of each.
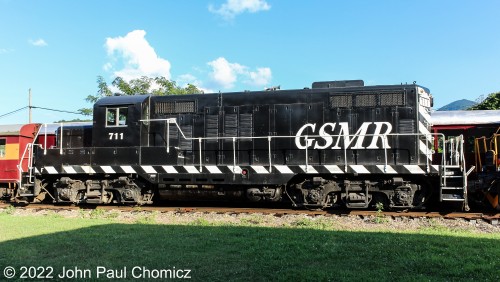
(29, 105)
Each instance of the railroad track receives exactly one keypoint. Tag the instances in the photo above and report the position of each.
(491, 218)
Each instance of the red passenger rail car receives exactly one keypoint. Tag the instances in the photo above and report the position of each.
(15, 153)
(481, 132)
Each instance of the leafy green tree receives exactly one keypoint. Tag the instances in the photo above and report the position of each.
(492, 102)
(156, 86)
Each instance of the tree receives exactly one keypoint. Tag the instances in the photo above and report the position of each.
(159, 86)
(492, 102)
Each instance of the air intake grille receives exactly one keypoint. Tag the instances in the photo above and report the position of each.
(406, 126)
(246, 126)
(212, 127)
(175, 107)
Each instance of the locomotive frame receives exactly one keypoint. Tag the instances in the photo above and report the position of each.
(336, 144)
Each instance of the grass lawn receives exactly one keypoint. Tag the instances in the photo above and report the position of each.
(243, 253)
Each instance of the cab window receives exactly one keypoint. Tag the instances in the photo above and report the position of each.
(2, 148)
(116, 116)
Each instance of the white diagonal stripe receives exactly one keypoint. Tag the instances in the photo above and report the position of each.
(414, 169)
(69, 169)
(423, 111)
(234, 169)
(108, 169)
(424, 149)
(128, 169)
(213, 169)
(50, 170)
(310, 169)
(334, 169)
(423, 129)
(148, 169)
(88, 169)
(283, 169)
(260, 169)
(169, 169)
(359, 169)
(386, 169)
(436, 167)
(191, 169)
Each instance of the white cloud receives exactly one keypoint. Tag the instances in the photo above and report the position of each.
(226, 74)
(261, 77)
(38, 43)
(138, 57)
(232, 8)
(131, 56)
(3, 51)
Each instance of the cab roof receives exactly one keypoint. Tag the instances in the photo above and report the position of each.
(121, 100)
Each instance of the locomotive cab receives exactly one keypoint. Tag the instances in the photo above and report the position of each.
(117, 121)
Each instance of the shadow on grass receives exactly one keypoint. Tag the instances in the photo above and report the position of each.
(257, 254)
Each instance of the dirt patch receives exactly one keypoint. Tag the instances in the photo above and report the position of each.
(331, 222)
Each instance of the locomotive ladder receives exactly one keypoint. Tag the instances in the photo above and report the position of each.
(453, 186)
(26, 182)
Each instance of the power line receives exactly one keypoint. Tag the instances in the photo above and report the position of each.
(42, 108)
(54, 110)
(7, 114)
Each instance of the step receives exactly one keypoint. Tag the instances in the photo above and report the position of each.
(452, 166)
(451, 188)
(452, 197)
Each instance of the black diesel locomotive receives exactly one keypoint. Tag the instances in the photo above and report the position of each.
(338, 143)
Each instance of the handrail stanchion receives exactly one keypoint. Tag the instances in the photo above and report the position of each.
(307, 153)
(61, 140)
(427, 153)
(45, 140)
(168, 136)
(270, 160)
(199, 142)
(234, 155)
(345, 154)
(385, 152)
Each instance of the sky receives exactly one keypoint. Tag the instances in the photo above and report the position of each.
(58, 48)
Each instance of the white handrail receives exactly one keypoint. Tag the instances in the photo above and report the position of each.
(384, 138)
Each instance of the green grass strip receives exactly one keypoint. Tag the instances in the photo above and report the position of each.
(215, 252)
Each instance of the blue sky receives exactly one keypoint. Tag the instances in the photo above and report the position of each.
(58, 48)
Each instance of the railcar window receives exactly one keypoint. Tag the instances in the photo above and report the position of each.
(2, 148)
(116, 116)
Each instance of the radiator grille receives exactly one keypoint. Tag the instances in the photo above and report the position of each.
(341, 101)
(369, 100)
(392, 99)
